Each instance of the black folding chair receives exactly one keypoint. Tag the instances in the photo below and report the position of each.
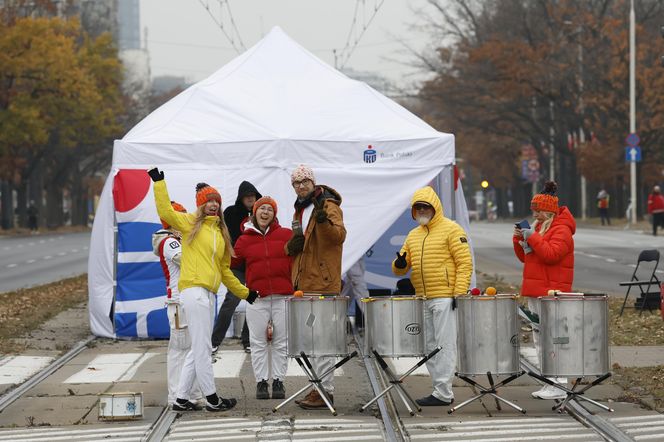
(643, 285)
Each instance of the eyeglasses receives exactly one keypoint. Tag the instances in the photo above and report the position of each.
(305, 182)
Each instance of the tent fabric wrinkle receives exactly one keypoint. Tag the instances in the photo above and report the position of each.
(255, 119)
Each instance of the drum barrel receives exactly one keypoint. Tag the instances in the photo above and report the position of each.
(487, 335)
(395, 326)
(574, 336)
(317, 326)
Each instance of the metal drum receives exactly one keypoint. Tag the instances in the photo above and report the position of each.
(574, 335)
(317, 325)
(395, 326)
(488, 335)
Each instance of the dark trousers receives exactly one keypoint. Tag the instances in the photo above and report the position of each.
(657, 220)
(604, 215)
(226, 314)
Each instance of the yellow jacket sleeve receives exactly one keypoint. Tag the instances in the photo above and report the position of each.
(179, 221)
(230, 280)
(463, 260)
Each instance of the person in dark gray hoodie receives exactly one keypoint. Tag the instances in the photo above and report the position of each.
(235, 216)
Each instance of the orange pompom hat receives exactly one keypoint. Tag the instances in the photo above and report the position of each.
(205, 193)
(178, 208)
(546, 201)
(265, 200)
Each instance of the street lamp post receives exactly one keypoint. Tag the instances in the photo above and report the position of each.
(632, 105)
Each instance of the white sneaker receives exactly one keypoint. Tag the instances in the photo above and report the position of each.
(549, 392)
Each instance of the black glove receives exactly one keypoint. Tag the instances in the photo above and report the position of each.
(156, 174)
(400, 262)
(295, 245)
(320, 215)
(454, 304)
(253, 295)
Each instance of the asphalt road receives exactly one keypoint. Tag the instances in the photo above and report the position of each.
(38, 259)
(603, 257)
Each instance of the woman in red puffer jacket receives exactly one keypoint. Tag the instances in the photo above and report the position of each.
(268, 271)
(547, 252)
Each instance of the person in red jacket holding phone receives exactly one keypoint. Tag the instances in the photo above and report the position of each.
(547, 251)
(268, 271)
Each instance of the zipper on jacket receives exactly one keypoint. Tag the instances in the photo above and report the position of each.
(424, 286)
(447, 276)
(214, 252)
(267, 262)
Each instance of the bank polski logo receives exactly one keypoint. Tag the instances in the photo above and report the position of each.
(370, 154)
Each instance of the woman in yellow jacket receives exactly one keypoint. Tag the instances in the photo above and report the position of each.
(438, 253)
(206, 257)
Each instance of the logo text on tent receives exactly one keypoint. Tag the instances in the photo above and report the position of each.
(370, 155)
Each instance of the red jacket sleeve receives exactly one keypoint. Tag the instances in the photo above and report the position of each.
(553, 249)
(238, 248)
(518, 250)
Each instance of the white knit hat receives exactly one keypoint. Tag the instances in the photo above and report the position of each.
(301, 173)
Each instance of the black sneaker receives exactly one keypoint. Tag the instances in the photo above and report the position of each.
(215, 349)
(433, 401)
(261, 390)
(179, 405)
(247, 349)
(223, 405)
(278, 390)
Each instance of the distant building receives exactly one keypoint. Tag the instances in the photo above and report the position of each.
(129, 24)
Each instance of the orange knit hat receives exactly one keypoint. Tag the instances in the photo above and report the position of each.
(178, 208)
(546, 201)
(265, 200)
(205, 193)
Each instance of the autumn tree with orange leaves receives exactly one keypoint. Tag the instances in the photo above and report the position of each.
(547, 73)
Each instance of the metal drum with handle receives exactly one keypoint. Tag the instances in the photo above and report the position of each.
(317, 325)
(488, 335)
(395, 326)
(574, 335)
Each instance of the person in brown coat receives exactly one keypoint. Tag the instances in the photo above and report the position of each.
(316, 247)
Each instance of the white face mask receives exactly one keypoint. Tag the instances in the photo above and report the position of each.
(423, 220)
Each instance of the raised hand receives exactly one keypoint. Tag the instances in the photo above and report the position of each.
(156, 174)
(320, 215)
(401, 262)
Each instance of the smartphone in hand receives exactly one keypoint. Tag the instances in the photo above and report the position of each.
(523, 224)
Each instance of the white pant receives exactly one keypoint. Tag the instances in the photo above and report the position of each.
(198, 304)
(258, 314)
(178, 347)
(321, 365)
(440, 330)
(534, 306)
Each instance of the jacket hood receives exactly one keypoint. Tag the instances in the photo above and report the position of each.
(329, 193)
(428, 195)
(250, 228)
(246, 188)
(157, 238)
(565, 218)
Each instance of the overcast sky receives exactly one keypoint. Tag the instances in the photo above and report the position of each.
(184, 40)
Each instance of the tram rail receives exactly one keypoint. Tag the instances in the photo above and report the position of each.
(598, 424)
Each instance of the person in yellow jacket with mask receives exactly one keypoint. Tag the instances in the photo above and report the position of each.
(438, 254)
(206, 257)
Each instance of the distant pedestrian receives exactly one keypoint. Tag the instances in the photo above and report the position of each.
(33, 212)
(603, 205)
(656, 208)
(355, 287)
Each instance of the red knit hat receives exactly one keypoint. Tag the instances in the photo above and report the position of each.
(178, 208)
(546, 201)
(265, 200)
(205, 193)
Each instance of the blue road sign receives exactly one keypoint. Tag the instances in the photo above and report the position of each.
(633, 140)
(633, 154)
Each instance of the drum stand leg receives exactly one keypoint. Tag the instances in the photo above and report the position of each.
(492, 391)
(315, 380)
(396, 382)
(572, 393)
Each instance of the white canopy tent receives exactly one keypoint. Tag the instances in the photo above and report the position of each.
(256, 119)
